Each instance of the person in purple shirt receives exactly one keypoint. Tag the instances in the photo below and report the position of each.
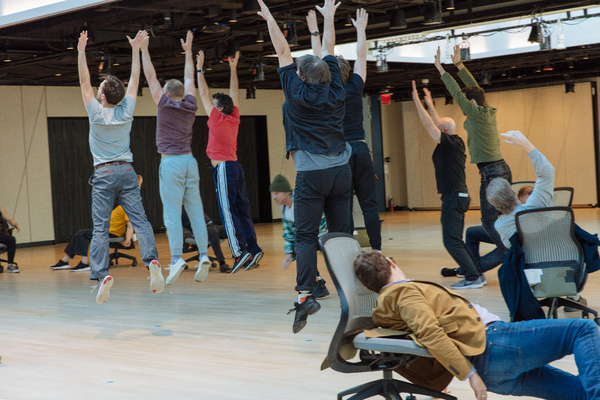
(178, 174)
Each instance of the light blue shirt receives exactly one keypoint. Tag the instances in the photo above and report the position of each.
(306, 161)
(109, 131)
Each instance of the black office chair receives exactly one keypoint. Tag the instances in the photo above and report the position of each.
(2, 260)
(555, 256)
(116, 244)
(376, 354)
(563, 196)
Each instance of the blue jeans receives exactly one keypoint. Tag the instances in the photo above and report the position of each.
(117, 184)
(180, 184)
(363, 182)
(476, 235)
(327, 190)
(515, 361)
(489, 214)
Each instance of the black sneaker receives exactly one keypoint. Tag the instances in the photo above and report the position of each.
(240, 262)
(447, 272)
(224, 267)
(320, 290)
(254, 259)
(81, 267)
(308, 307)
(60, 265)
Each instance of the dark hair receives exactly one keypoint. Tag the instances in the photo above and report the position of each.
(344, 68)
(113, 90)
(224, 101)
(475, 92)
(313, 70)
(372, 270)
(175, 88)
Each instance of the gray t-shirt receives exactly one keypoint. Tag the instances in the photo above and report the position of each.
(109, 131)
(306, 161)
(541, 196)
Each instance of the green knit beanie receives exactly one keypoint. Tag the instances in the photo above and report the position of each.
(280, 184)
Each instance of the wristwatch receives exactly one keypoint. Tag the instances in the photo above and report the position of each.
(314, 33)
(201, 70)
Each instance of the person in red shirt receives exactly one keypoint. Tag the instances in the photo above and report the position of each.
(232, 196)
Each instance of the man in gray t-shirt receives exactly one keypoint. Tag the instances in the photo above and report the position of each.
(114, 179)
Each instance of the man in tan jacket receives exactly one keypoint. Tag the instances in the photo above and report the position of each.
(469, 342)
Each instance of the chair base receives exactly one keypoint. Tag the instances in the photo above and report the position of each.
(390, 389)
(113, 259)
(554, 303)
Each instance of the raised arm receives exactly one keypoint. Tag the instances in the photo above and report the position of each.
(456, 60)
(202, 85)
(188, 72)
(360, 65)
(328, 11)
(438, 62)
(430, 105)
(9, 220)
(134, 79)
(282, 48)
(428, 123)
(233, 80)
(84, 73)
(149, 72)
(315, 37)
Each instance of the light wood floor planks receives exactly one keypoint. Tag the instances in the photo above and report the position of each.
(226, 338)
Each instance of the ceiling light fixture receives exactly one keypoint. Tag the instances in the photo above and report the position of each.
(465, 49)
(260, 38)
(535, 36)
(348, 20)
(232, 16)
(250, 91)
(560, 45)
(397, 19)
(431, 12)
(450, 5)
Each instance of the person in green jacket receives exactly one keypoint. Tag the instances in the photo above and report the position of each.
(482, 141)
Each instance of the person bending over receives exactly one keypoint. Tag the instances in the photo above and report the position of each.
(282, 194)
(6, 238)
(313, 114)
(470, 343)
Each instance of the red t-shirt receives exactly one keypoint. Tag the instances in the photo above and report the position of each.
(222, 135)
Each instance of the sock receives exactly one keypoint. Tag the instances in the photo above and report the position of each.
(174, 259)
(319, 278)
(84, 260)
(302, 295)
(65, 259)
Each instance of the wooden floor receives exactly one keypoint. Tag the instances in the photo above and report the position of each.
(226, 338)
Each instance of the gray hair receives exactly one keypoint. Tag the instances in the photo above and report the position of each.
(499, 193)
(313, 70)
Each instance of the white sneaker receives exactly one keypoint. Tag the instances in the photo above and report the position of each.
(104, 286)
(157, 282)
(203, 267)
(175, 270)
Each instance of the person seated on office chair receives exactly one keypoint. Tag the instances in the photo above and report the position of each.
(216, 233)
(282, 194)
(6, 238)
(476, 235)
(469, 342)
(80, 242)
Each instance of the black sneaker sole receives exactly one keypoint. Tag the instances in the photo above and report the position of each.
(254, 263)
(61, 267)
(239, 265)
(310, 310)
(81, 269)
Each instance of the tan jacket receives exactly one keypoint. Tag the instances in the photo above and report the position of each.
(438, 319)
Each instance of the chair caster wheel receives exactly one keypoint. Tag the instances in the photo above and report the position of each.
(134, 263)
(214, 265)
(110, 264)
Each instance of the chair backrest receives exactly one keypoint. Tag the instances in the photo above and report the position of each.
(516, 186)
(548, 241)
(357, 302)
(563, 196)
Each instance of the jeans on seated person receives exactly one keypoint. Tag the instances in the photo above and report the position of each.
(489, 214)
(515, 361)
(476, 235)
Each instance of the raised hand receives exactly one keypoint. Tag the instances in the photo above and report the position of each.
(361, 19)
(427, 96)
(200, 60)
(264, 11)
(438, 61)
(83, 38)
(415, 92)
(187, 45)
(136, 43)
(456, 56)
(311, 21)
(328, 9)
(234, 61)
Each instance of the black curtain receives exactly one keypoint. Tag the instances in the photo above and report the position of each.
(71, 167)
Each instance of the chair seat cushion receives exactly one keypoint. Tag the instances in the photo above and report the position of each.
(190, 241)
(389, 345)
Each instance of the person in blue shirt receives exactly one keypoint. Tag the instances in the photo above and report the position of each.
(313, 115)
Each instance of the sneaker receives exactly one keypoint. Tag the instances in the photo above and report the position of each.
(465, 284)
(224, 267)
(81, 267)
(448, 272)
(203, 267)
(12, 268)
(308, 307)
(175, 270)
(60, 265)
(320, 290)
(240, 262)
(157, 282)
(254, 259)
(581, 301)
(104, 286)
